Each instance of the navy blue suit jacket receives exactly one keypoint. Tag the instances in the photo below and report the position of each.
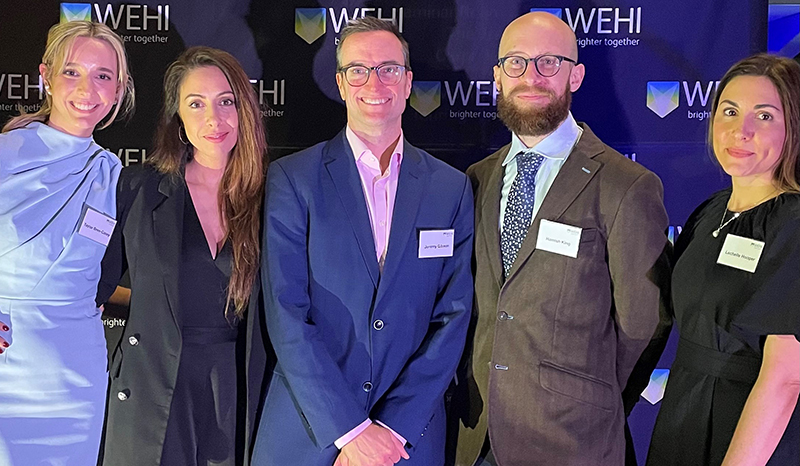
(353, 342)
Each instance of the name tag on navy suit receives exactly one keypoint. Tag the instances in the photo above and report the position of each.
(436, 243)
(558, 238)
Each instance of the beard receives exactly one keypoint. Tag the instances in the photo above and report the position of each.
(535, 121)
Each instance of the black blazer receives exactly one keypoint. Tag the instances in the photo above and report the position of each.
(144, 365)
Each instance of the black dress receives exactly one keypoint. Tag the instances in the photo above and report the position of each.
(723, 316)
(202, 426)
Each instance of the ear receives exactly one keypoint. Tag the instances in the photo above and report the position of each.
(340, 84)
(43, 74)
(410, 78)
(576, 77)
(498, 74)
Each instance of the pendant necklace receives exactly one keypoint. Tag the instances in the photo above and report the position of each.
(723, 223)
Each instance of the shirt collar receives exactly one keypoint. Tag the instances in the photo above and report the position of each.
(557, 145)
(359, 147)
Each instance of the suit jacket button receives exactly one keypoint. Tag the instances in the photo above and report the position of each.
(378, 325)
(367, 386)
(502, 315)
(123, 395)
(133, 340)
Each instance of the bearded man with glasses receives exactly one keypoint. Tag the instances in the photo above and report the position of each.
(571, 273)
(367, 278)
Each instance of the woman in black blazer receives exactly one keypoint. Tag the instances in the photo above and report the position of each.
(187, 374)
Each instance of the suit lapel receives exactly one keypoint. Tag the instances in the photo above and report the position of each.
(575, 174)
(490, 217)
(168, 231)
(340, 163)
(411, 186)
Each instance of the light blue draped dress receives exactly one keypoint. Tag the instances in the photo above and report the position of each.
(53, 377)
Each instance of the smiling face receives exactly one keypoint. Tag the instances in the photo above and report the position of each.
(534, 105)
(85, 90)
(749, 129)
(208, 111)
(373, 105)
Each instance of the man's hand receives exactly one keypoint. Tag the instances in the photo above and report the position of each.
(375, 446)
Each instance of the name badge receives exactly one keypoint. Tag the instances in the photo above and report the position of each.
(96, 226)
(740, 253)
(558, 238)
(436, 243)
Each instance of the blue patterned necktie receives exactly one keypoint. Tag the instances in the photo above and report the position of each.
(519, 207)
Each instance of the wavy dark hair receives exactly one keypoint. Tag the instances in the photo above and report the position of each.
(784, 73)
(241, 190)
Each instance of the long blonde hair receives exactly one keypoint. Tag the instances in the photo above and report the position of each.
(59, 44)
(241, 191)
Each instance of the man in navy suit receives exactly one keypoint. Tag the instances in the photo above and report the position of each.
(367, 278)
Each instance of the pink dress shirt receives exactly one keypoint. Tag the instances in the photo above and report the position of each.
(380, 190)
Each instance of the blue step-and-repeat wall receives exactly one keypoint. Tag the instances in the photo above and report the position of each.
(651, 70)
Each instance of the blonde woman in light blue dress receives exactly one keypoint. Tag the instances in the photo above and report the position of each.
(57, 210)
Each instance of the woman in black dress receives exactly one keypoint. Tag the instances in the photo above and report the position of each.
(186, 376)
(733, 389)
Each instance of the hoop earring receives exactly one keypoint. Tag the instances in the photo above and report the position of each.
(180, 136)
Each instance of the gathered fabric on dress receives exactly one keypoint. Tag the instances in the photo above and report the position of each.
(53, 376)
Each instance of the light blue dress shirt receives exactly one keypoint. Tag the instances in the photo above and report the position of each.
(556, 147)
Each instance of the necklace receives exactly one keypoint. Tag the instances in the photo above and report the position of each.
(723, 223)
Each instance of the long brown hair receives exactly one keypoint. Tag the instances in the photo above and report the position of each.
(59, 44)
(241, 190)
(784, 73)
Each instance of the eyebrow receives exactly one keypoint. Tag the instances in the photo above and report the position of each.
(757, 107)
(203, 96)
(99, 69)
(359, 63)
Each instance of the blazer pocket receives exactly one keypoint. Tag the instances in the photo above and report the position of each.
(588, 235)
(576, 385)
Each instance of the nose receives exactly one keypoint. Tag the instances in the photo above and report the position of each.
(84, 85)
(532, 76)
(745, 129)
(372, 79)
(212, 115)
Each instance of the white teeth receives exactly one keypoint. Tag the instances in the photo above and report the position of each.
(84, 107)
(374, 101)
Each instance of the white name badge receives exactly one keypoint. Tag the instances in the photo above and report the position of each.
(558, 238)
(96, 226)
(436, 243)
(741, 253)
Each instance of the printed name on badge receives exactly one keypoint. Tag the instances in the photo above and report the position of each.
(96, 226)
(436, 243)
(558, 238)
(741, 253)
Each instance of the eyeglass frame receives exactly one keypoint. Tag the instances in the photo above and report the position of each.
(535, 61)
(370, 69)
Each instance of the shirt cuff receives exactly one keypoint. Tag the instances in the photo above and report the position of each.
(346, 438)
(397, 436)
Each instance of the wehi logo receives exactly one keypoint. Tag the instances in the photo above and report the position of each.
(76, 12)
(311, 23)
(664, 96)
(131, 17)
(426, 96)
